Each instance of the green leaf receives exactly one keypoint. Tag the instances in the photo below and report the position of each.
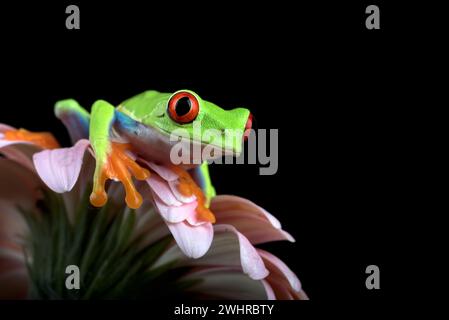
(99, 241)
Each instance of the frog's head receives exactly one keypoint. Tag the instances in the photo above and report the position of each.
(184, 114)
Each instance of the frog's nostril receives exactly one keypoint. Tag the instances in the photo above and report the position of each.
(248, 126)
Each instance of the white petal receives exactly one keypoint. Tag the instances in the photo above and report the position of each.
(226, 284)
(174, 214)
(250, 260)
(163, 171)
(60, 168)
(162, 189)
(278, 267)
(229, 249)
(194, 241)
(254, 222)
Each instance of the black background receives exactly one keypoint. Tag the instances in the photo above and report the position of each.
(312, 71)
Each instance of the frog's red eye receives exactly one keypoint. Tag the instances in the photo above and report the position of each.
(183, 107)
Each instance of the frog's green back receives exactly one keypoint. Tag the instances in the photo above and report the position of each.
(144, 104)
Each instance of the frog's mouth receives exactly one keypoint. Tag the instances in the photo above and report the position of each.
(214, 143)
(230, 142)
(248, 127)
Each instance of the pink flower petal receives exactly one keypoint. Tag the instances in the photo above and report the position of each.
(163, 171)
(300, 295)
(19, 151)
(268, 290)
(6, 143)
(194, 241)
(14, 284)
(254, 222)
(230, 249)
(13, 273)
(161, 188)
(11, 256)
(250, 260)
(225, 284)
(5, 127)
(232, 203)
(174, 214)
(12, 224)
(18, 187)
(278, 268)
(60, 168)
(281, 289)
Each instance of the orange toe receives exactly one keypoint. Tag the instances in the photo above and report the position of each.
(188, 187)
(120, 167)
(98, 198)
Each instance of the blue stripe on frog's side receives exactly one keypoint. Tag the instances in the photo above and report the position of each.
(124, 122)
(198, 177)
(202, 177)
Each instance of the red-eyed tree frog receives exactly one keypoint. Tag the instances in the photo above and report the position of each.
(145, 124)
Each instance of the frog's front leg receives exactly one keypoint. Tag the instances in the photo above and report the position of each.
(112, 158)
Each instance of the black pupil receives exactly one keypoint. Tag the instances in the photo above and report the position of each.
(183, 106)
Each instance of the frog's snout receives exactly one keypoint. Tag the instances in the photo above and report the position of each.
(248, 126)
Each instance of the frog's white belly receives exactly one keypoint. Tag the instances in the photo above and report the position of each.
(154, 145)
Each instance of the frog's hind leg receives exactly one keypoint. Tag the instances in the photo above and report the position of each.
(75, 118)
(112, 159)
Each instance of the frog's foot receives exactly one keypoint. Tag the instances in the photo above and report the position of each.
(43, 139)
(187, 187)
(119, 166)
